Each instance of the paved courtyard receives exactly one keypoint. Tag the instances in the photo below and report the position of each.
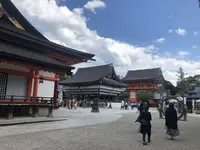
(121, 133)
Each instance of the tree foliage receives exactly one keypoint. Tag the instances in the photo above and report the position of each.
(181, 83)
(185, 84)
(181, 74)
(169, 86)
(144, 96)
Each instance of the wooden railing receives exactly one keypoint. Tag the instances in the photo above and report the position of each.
(26, 100)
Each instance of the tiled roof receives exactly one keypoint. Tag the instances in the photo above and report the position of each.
(29, 55)
(30, 34)
(92, 75)
(14, 13)
(144, 74)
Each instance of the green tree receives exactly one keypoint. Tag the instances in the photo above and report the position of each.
(144, 96)
(182, 87)
(181, 74)
(191, 82)
(169, 86)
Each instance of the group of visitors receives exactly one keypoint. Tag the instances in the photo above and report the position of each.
(109, 105)
(171, 122)
(72, 104)
(125, 105)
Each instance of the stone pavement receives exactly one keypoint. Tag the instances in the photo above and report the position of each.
(118, 134)
(75, 118)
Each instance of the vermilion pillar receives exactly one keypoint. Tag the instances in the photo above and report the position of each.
(30, 82)
(36, 79)
(56, 91)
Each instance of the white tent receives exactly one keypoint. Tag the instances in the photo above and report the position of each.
(198, 100)
(173, 101)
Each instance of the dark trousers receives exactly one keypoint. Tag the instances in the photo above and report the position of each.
(144, 137)
(132, 107)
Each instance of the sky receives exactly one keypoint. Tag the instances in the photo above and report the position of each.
(131, 34)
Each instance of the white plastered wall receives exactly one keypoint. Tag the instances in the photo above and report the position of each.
(46, 89)
(17, 85)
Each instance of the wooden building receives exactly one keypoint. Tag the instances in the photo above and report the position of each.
(146, 79)
(98, 81)
(30, 64)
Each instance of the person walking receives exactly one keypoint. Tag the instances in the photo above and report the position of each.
(145, 124)
(72, 103)
(75, 104)
(171, 121)
(69, 104)
(122, 104)
(110, 105)
(106, 104)
(132, 105)
(126, 105)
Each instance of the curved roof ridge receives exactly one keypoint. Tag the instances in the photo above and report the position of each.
(95, 66)
(89, 74)
(145, 69)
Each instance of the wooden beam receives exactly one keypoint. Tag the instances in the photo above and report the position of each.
(46, 78)
(15, 72)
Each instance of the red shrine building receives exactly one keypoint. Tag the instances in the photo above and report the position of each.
(146, 79)
(30, 65)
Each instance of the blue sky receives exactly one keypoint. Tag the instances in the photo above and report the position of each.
(140, 22)
(131, 34)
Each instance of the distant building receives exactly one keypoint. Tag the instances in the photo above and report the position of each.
(193, 99)
(143, 80)
(99, 81)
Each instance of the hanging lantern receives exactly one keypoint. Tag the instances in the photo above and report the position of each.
(41, 80)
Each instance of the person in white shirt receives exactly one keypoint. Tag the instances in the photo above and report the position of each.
(132, 105)
(122, 104)
(126, 106)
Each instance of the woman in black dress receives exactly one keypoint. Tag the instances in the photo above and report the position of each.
(145, 121)
(171, 121)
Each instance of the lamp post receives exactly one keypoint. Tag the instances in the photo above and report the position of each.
(95, 105)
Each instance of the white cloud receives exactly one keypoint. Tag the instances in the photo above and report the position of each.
(94, 4)
(170, 31)
(194, 46)
(168, 54)
(181, 32)
(160, 40)
(69, 28)
(195, 33)
(182, 54)
(151, 48)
